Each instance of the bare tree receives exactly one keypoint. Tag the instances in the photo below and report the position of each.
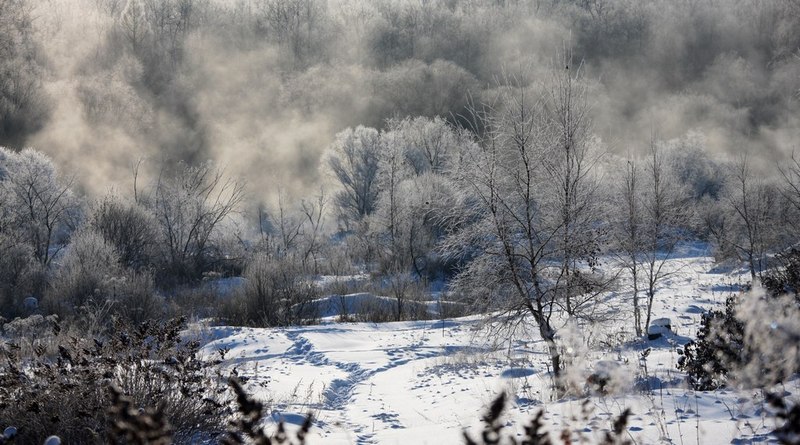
(313, 212)
(134, 25)
(569, 164)
(753, 204)
(189, 204)
(664, 214)
(297, 25)
(510, 229)
(629, 234)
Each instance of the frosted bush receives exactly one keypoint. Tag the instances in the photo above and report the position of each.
(772, 333)
(29, 327)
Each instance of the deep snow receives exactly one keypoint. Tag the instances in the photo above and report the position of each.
(427, 381)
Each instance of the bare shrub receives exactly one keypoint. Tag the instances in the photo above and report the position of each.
(201, 302)
(409, 297)
(134, 296)
(67, 392)
(276, 293)
(189, 204)
(20, 276)
(128, 227)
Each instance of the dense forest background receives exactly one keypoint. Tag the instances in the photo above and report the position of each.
(262, 86)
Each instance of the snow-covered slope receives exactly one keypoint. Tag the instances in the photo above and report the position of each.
(426, 381)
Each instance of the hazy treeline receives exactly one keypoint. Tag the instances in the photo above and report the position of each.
(263, 86)
(421, 119)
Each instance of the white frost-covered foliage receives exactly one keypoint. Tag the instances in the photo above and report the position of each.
(90, 272)
(29, 327)
(37, 203)
(535, 222)
(428, 145)
(87, 264)
(36, 211)
(411, 220)
(772, 333)
(399, 182)
(354, 158)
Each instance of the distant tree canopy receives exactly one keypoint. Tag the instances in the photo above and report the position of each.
(184, 77)
(23, 106)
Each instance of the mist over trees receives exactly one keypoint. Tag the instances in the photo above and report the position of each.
(264, 86)
(241, 160)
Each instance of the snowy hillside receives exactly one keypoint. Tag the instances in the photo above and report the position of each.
(426, 381)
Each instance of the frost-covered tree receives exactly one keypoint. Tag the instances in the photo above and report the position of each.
(752, 203)
(40, 204)
(354, 159)
(428, 145)
(22, 104)
(569, 162)
(665, 214)
(534, 229)
(416, 193)
(295, 231)
(394, 170)
(629, 234)
(408, 228)
(512, 237)
(299, 27)
(128, 227)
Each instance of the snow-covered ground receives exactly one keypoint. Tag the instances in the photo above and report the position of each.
(428, 381)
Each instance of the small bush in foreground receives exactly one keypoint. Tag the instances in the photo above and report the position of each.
(63, 388)
(535, 432)
(786, 278)
(719, 347)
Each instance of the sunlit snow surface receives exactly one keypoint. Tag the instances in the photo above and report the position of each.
(428, 381)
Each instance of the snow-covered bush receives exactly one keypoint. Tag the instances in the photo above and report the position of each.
(755, 342)
(785, 278)
(87, 265)
(90, 272)
(128, 227)
(772, 338)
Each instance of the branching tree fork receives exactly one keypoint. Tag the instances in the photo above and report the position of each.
(530, 181)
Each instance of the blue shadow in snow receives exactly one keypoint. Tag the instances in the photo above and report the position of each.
(516, 373)
(290, 418)
(727, 288)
